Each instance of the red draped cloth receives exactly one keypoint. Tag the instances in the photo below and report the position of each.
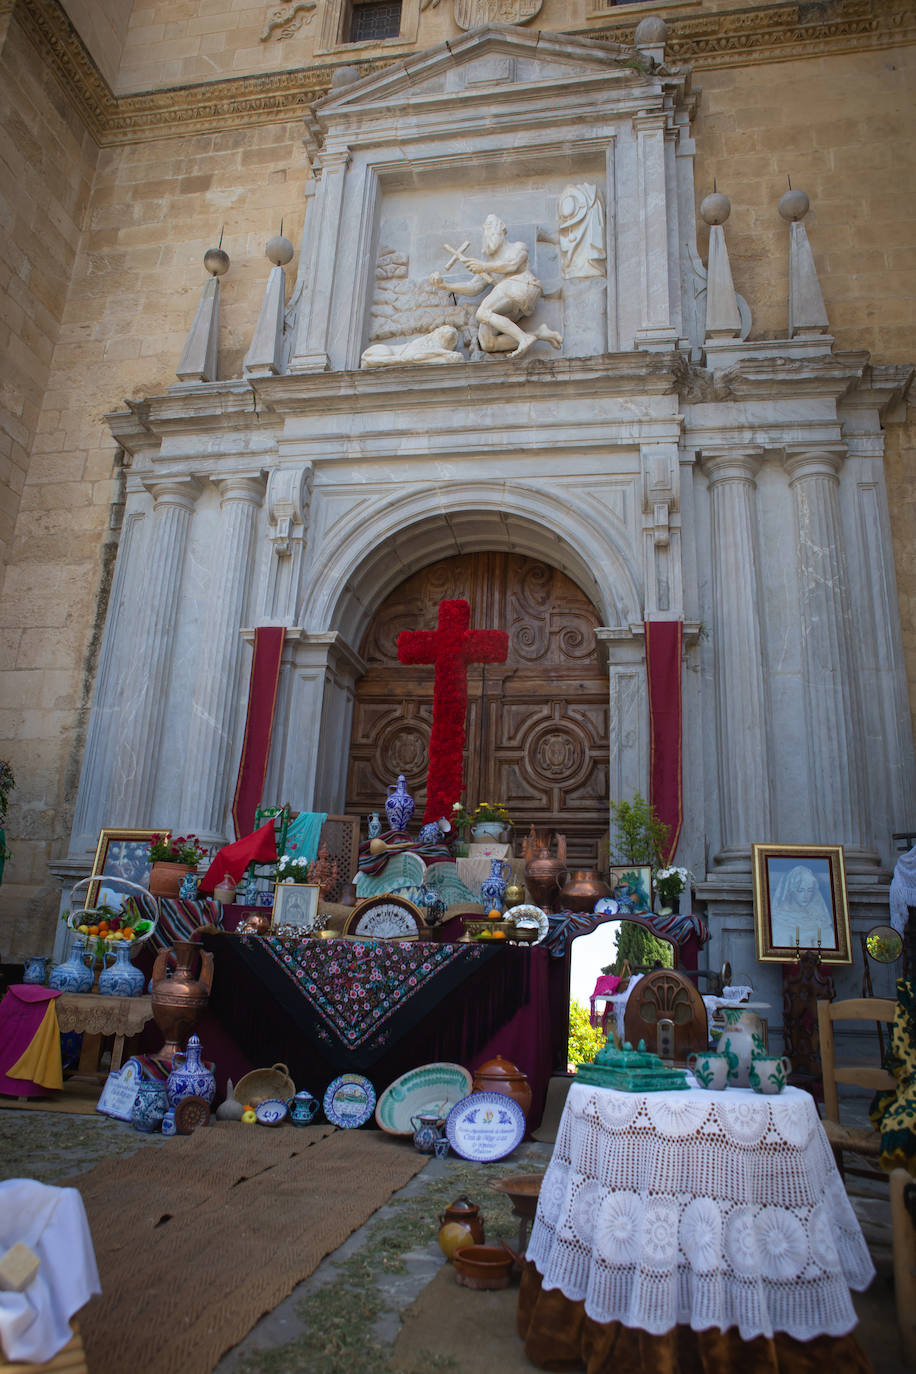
(664, 640)
(22, 1012)
(259, 723)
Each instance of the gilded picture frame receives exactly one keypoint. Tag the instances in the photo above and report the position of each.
(295, 905)
(121, 853)
(800, 902)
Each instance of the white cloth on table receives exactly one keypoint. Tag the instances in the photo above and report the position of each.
(52, 1222)
(902, 892)
(703, 1209)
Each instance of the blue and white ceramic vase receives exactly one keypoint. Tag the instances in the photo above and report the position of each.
(400, 805)
(187, 889)
(493, 889)
(73, 975)
(121, 979)
(190, 1076)
(430, 833)
(168, 1123)
(375, 826)
(36, 968)
(150, 1106)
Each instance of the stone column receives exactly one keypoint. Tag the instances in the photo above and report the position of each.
(657, 330)
(310, 353)
(157, 613)
(833, 714)
(211, 750)
(741, 709)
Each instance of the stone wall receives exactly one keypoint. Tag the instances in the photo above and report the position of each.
(101, 260)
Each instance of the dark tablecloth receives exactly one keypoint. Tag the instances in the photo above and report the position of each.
(336, 1006)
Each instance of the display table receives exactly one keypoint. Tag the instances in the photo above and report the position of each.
(95, 1017)
(326, 1007)
(695, 1209)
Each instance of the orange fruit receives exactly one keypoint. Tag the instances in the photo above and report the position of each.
(497, 935)
(494, 914)
(93, 930)
(127, 933)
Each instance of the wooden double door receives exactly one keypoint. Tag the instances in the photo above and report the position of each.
(537, 725)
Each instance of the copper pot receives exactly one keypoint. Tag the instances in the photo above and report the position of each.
(500, 1076)
(582, 889)
(544, 872)
(179, 1000)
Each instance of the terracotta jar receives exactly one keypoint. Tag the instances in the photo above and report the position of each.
(165, 878)
(499, 1076)
(179, 1000)
(466, 1212)
(544, 872)
(582, 889)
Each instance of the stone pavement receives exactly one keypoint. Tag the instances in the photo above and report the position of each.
(383, 1301)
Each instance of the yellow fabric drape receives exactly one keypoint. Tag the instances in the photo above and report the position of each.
(41, 1061)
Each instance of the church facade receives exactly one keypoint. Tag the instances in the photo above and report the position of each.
(511, 312)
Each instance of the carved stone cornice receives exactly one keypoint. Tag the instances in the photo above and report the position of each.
(724, 39)
(738, 37)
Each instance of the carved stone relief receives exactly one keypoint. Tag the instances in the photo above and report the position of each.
(581, 221)
(405, 307)
(288, 19)
(473, 14)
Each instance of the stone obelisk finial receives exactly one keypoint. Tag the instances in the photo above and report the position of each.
(807, 315)
(198, 361)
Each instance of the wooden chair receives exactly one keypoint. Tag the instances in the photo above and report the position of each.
(665, 994)
(860, 1140)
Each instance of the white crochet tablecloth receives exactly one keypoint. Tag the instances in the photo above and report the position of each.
(703, 1209)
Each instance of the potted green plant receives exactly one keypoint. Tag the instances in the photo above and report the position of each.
(642, 836)
(489, 820)
(172, 857)
(669, 884)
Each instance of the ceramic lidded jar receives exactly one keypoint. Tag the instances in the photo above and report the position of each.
(739, 1042)
(190, 1076)
(467, 1213)
(500, 1076)
(400, 805)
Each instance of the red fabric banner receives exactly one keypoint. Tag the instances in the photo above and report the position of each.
(232, 860)
(259, 724)
(664, 639)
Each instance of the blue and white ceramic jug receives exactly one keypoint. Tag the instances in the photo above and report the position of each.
(493, 889)
(36, 968)
(400, 805)
(121, 979)
(375, 826)
(190, 1076)
(73, 975)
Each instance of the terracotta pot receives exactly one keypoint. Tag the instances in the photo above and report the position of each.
(165, 878)
(582, 889)
(544, 872)
(179, 1001)
(500, 1076)
(466, 1212)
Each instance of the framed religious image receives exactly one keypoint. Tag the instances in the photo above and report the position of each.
(295, 904)
(121, 854)
(631, 887)
(800, 902)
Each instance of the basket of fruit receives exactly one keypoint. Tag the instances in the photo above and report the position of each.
(483, 928)
(105, 926)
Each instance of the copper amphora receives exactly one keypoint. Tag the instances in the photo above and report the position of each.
(179, 1000)
(582, 889)
(544, 872)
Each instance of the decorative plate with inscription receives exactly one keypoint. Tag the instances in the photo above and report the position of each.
(386, 917)
(485, 1126)
(349, 1101)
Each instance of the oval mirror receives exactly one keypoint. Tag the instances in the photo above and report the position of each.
(884, 944)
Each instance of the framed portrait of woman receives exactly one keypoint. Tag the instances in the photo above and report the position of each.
(800, 902)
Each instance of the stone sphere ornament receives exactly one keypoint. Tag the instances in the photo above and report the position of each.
(793, 206)
(216, 262)
(651, 32)
(716, 208)
(279, 250)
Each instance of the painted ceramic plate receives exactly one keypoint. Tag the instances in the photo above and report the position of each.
(530, 916)
(606, 906)
(271, 1111)
(349, 1100)
(432, 1088)
(485, 1126)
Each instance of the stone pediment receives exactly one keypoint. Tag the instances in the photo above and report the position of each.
(488, 65)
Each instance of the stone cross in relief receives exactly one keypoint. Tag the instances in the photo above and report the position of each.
(515, 293)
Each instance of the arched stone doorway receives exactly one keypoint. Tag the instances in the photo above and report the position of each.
(538, 725)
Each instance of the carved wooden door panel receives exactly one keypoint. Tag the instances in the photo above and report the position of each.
(537, 727)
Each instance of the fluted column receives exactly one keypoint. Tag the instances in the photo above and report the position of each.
(833, 712)
(741, 710)
(158, 615)
(210, 751)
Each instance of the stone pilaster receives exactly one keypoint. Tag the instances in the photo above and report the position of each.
(741, 710)
(833, 713)
(211, 742)
(157, 620)
(310, 353)
(657, 330)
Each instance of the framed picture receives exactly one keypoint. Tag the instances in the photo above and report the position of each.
(800, 902)
(120, 854)
(295, 904)
(631, 887)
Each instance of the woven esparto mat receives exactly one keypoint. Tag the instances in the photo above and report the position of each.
(198, 1239)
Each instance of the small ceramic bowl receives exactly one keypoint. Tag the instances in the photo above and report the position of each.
(482, 1266)
(271, 1111)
